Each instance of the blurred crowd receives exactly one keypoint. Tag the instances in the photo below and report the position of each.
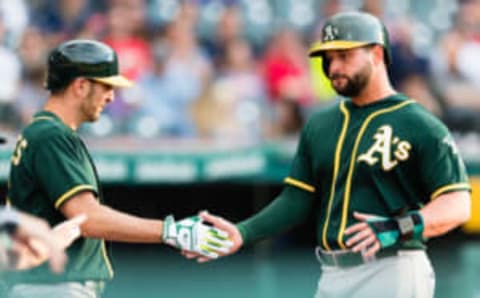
(234, 69)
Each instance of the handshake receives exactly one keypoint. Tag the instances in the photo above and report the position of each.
(203, 237)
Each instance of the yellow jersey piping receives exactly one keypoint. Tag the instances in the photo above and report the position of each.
(299, 184)
(107, 260)
(71, 192)
(336, 165)
(348, 184)
(450, 187)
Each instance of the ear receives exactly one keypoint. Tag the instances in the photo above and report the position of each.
(378, 54)
(80, 87)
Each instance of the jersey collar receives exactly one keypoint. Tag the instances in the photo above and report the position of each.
(392, 99)
(49, 116)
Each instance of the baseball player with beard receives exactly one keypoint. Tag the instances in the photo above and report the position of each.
(380, 173)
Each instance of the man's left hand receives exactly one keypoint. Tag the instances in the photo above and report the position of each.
(363, 239)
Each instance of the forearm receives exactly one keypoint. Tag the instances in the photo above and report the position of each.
(113, 225)
(445, 213)
(106, 223)
(290, 208)
(441, 215)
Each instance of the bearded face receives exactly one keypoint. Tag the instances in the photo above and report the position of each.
(349, 70)
(351, 85)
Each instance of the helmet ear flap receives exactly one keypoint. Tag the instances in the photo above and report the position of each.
(325, 64)
(386, 46)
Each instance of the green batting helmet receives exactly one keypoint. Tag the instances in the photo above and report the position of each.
(348, 30)
(83, 58)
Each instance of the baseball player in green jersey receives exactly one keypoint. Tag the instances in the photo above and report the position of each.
(380, 173)
(53, 177)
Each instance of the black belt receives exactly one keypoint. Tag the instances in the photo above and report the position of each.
(345, 258)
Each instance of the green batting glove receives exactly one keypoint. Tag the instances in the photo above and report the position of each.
(390, 231)
(193, 235)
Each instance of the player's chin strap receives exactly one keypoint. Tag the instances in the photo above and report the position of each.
(391, 231)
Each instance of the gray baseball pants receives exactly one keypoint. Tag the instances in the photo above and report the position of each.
(407, 275)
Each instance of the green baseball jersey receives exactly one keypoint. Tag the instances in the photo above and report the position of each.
(50, 164)
(384, 158)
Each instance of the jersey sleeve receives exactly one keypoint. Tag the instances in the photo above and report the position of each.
(301, 173)
(62, 169)
(442, 167)
(289, 209)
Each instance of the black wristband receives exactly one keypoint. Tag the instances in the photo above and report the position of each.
(406, 225)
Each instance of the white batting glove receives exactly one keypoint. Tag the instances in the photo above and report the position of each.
(193, 235)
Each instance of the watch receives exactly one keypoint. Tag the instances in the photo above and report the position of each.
(405, 226)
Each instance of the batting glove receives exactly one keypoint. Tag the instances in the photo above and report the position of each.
(193, 235)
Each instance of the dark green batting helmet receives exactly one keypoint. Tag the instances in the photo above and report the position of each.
(83, 58)
(348, 30)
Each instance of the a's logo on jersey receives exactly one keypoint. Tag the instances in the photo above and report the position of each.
(385, 142)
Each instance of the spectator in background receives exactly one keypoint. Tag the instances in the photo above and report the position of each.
(31, 95)
(374, 7)
(180, 75)
(285, 68)
(94, 27)
(167, 93)
(286, 74)
(229, 28)
(456, 69)
(188, 12)
(289, 120)
(14, 16)
(125, 26)
(412, 71)
(10, 72)
(161, 12)
(62, 19)
(186, 52)
(235, 106)
(126, 21)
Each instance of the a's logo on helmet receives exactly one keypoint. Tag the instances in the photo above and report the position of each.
(329, 33)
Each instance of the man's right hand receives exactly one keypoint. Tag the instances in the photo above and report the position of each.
(221, 224)
(191, 234)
